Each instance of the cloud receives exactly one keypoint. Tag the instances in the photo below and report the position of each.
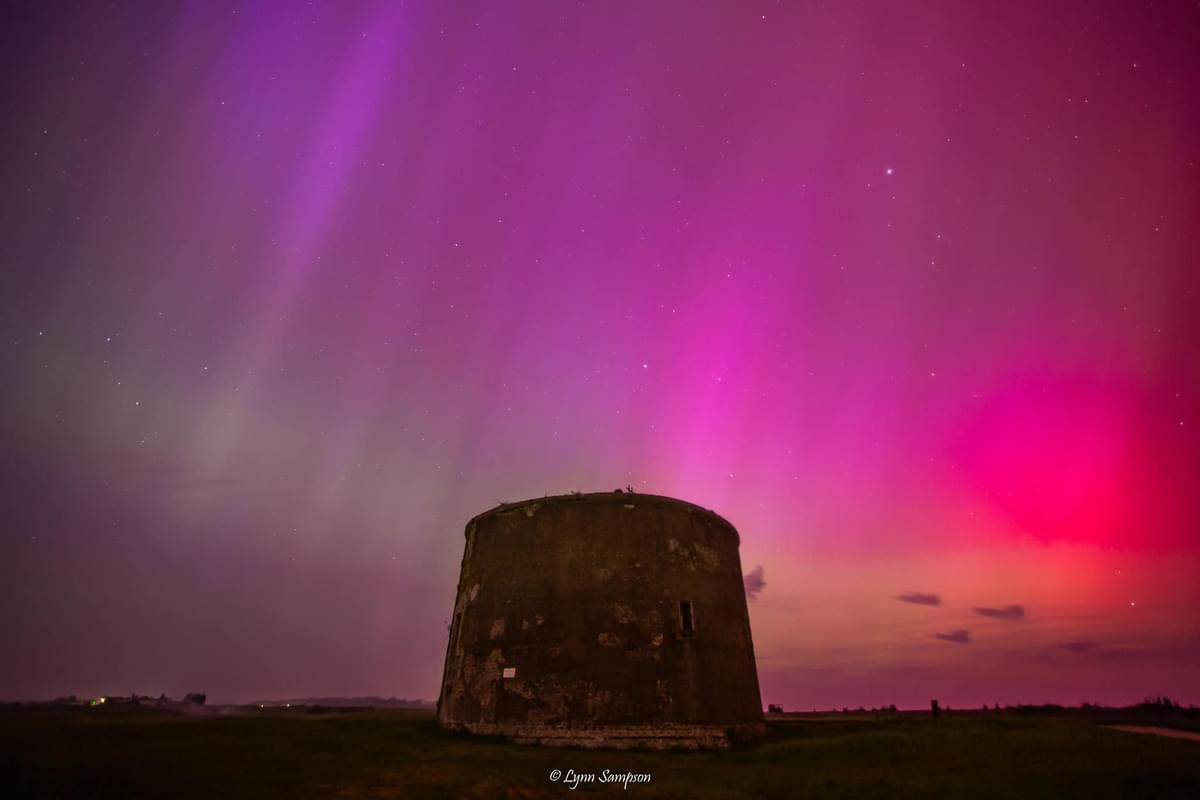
(957, 637)
(1079, 647)
(139, 468)
(755, 582)
(1015, 611)
(920, 599)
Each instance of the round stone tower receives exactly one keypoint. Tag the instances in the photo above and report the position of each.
(602, 620)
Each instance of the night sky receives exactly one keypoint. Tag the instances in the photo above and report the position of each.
(909, 292)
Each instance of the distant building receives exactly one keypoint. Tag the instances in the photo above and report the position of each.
(602, 620)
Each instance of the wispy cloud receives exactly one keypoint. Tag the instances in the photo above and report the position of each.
(1079, 647)
(920, 599)
(957, 637)
(755, 582)
(1014, 612)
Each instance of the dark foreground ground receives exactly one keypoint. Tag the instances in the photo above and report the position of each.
(144, 752)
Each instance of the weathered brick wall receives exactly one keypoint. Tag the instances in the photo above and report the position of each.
(578, 598)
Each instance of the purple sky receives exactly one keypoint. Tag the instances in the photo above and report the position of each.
(906, 291)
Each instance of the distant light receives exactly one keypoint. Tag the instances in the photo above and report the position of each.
(890, 171)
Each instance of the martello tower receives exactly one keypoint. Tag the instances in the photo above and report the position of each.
(606, 620)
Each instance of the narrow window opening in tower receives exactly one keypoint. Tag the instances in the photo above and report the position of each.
(687, 622)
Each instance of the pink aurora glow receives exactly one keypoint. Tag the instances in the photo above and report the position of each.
(908, 293)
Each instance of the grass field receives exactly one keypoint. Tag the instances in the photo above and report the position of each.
(145, 752)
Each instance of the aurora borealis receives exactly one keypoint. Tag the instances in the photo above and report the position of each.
(908, 292)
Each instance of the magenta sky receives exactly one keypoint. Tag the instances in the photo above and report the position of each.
(907, 291)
